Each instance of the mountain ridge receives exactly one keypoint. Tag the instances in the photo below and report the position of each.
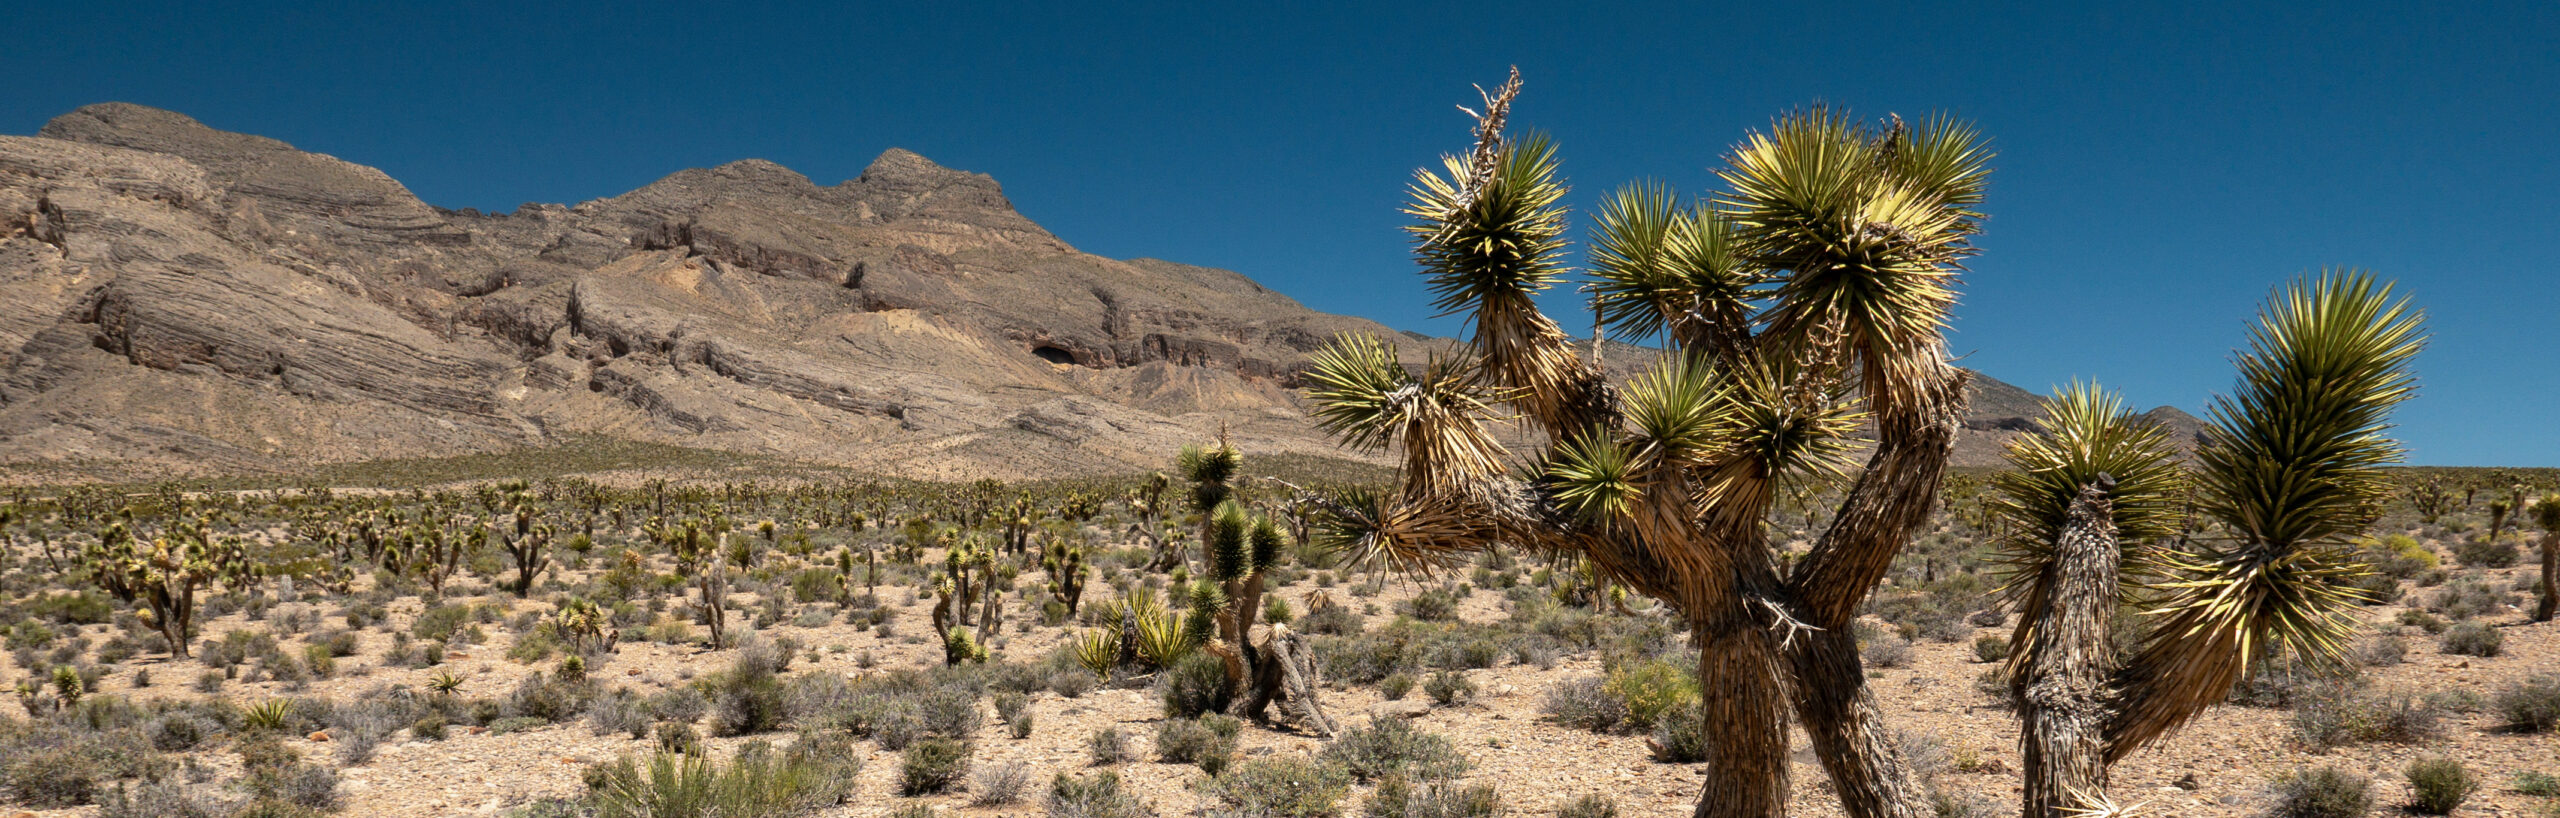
(190, 300)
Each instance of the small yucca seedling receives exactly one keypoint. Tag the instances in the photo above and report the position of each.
(272, 714)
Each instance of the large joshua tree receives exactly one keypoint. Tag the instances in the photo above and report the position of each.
(1802, 307)
(2546, 513)
(2289, 470)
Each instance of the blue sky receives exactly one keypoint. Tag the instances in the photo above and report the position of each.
(2162, 166)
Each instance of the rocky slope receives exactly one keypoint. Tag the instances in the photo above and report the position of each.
(185, 299)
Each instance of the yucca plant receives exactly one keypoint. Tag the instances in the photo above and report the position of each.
(2289, 471)
(1802, 306)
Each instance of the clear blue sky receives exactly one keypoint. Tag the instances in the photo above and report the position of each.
(2161, 166)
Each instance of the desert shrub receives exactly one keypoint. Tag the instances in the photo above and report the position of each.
(49, 766)
(358, 727)
(1681, 736)
(1391, 747)
(1095, 796)
(621, 712)
(1195, 684)
(158, 799)
(2536, 783)
(2484, 554)
(1398, 798)
(1990, 648)
(810, 776)
(2326, 792)
(1109, 746)
(429, 727)
(1650, 689)
(1190, 741)
(298, 783)
(1593, 805)
(1395, 686)
(2344, 714)
(2422, 620)
(2473, 639)
(1282, 787)
(548, 699)
(1584, 702)
(440, 623)
(932, 765)
(1333, 620)
(1448, 686)
(999, 785)
(2382, 650)
(2531, 705)
(1886, 652)
(2469, 599)
(745, 699)
(2437, 785)
(1365, 658)
(678, 737)
(680, 704)
(1071, 684)
(1432, 605)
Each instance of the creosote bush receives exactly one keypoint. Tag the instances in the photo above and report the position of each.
(2531, 705)
(2326, 792)
(2437, 785)
(932, 765)
(2473, 639)
(1282, 787)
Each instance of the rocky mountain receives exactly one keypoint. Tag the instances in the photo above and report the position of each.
(184, 299)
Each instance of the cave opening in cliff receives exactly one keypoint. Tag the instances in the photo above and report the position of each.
(1054, 355)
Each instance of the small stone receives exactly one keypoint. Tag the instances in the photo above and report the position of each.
(320, 735)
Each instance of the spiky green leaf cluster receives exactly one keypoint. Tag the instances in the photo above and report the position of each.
(2087, 432)
(1491, 239)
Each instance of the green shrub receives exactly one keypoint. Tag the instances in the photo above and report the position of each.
(1394, 746)
(2531, 705)
(2473, 639)
(2343, 714)
(1990, 648)
(2323, 793)
(1681, 737)
(1448, 686)
(157, 799)
(1109, 746)
(932, 765)
(1282, 787)
(1650, 689)
(1188, 741)
(1584, 702)
(999, 785)
(1095, 796)
(1395, 686)
(2484, 554)
(1195, 684)
(2437, 785)
(1398, 798)
(2536, 783)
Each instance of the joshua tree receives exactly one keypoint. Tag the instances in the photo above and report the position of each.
(2289, 470)
(2546, 513)
(1804, 304)
(525, 541)
(165, 572)
(1065, 564)
(1209, 468)
(697, 557)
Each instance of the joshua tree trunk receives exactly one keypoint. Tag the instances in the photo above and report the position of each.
(1744, 703)
(2550, 604)
(2066, 664)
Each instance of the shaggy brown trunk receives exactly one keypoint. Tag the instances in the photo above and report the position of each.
(1744, 706)
(2550, 604)
(1847, 729)
(2066, 664)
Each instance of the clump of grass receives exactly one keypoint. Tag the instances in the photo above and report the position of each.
(1283, 787)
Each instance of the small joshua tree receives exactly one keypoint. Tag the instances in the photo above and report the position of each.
(1065, 564)
(165, 571)
(2290, 469)
(697, 558)
(526, 542)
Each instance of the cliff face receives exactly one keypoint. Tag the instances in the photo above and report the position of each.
(182, 299)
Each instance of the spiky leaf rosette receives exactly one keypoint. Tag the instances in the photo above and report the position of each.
(1864, 232)
(1209, 468)
(1367, 400)
(1268, 540)
(2087, 432)
(1490, 237)
(2291, 467)
(1230, 554)
(1414, 535)
(1661, 269)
